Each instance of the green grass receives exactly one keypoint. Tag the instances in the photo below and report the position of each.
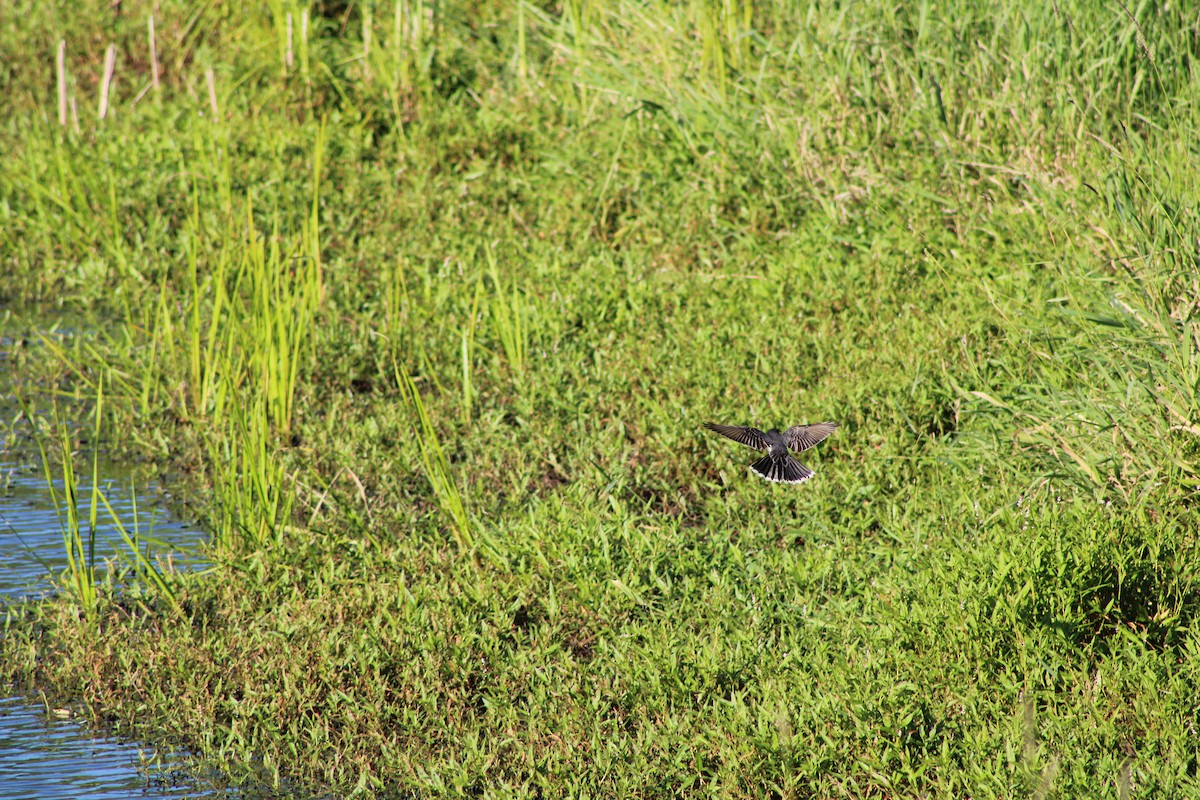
(426, 319)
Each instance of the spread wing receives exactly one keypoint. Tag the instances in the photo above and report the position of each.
(751, 437)
(802, 437)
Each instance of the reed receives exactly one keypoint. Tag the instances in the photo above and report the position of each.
(79, 520)
(79, 537)
(253, 494)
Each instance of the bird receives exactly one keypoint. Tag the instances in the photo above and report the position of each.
(778, 465)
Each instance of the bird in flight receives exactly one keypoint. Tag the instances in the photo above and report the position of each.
(778, 465)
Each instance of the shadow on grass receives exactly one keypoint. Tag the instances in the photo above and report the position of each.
(1090, 585)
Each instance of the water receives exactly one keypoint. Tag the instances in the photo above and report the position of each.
(45, 757)
(44, 753)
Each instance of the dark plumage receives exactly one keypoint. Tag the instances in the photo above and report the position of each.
(778, 465)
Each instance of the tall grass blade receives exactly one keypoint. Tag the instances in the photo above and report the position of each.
(147, 570)
(79, 577)
(510, 316)
(254, 495)
(435, 464)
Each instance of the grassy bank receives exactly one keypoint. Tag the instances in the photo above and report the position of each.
(426, 304)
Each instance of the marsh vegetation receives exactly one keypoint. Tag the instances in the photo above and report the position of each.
(423, 305)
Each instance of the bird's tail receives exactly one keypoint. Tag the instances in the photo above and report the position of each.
(781, 470)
